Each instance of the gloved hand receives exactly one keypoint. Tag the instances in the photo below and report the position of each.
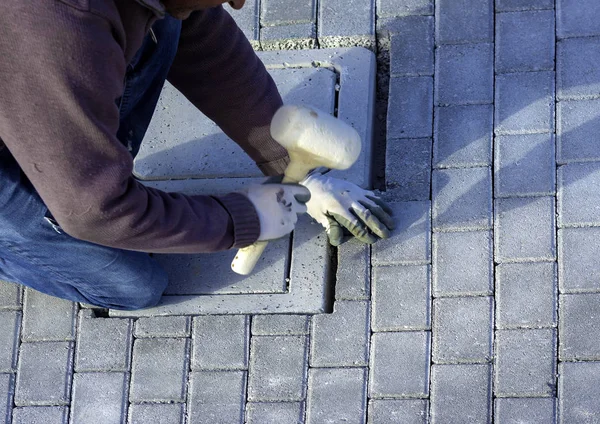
(338, 204)
(278, 206)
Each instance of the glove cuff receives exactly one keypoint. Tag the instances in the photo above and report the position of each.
(246, 226)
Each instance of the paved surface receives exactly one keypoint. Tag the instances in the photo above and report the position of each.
(483, 307)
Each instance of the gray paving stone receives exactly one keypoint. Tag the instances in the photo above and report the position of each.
(411, 46)
(525, 229)
(458, 23)
(410, 241)
(463, 330)
(578, 253)
(524, 410)
(217, 397)
(336, 395)
(280, 325)
(345, 18)
(278, 367)
(404, 7)
(287, 11)
(10, 295)
(579, 327)
(159, 370)
(44, 373)
(524, 103)
(577, 18)
(410, 107)
(408, 169)
(515, 5)
(463, 263)
(7, 389)
(274, 412)
(399, 365)
(525, 41)
(578, 195)
(176, 326)
(526, 295)
(462, 199)
(289, 37)
(220, 342)
(576, 63)
(464, 74)
(398, 411)
(525, 363)
(247, 19)
(460, 394)
(524, 165)
(9, 339)
(578, 123)
(41, 415)
(463, 136)
(99, 397)
(341, 339)
(158, 413)
(103, 344)
(47, 318)
(401, 298)
(353, 275)
(578, 392)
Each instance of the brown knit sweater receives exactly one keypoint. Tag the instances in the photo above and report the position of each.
(62, 67)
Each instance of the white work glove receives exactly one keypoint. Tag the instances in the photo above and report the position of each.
(338, 204)
(278, 206)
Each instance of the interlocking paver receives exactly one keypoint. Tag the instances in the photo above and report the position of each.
(40, 415)
(287, 11)
(458, 23)
(47, 318)
(411, 46)
(288, 37)
(157, 413)
(463, 263)
(578, 195)
(526, 295)
(462, 330)
(401, 298)
(220, 342)
(460, 394)
(578, 253)
(280, 325)
(577, 18)
(408, 169)
(9, 339)
(398, 411)
(576, 63)
(346, 19)
(516, 5)
(248, 19)
(404, 7)
(336, 395)
(577, 125)
(7, 389)
(410, 107)
(400, 364)
(353, 275)
(100, 397)
(10, 295)
(578, 392)
(177, 326)
(274, 412)
(524, 410)
(525, 363)
(217, 397)
(579, 327)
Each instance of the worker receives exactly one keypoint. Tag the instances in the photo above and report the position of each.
(79, 81)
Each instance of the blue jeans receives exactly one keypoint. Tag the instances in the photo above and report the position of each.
(35, 252)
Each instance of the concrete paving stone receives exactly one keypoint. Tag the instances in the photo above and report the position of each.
(386, 8)
(9, 339)
(158, 413)
(411, 46)
(464, 22)
(217, 397)
(99, 397)
(578, 253)
(524, 103)
(41, 415)
(578, 74)
(410, 107)
(47, 318)
(159, 370)
(398, 411)
(341, 339)
(460, 394)
(7, 389)
(401, 298)
(399, 365)
(10, 295)
(525, 229)
(464, 74)
(526, 295)
(463, 264)
(463, 136)
(578, 195)
(525, 410)
(516, 5)
(410, 241)
(275, 412)
(408, 169)
(525, 41)
(578, 123)
(346, 18)
(578, 392)
(525, 363)
(289, 37)
(280, 325)
(353, 275)
(287, 11)
(336, 395)
(463, 330)
(579, 327)
(44, 374)
(103, 344)
(278, 367)
(248, 19)
(577, 18)
(220, 342)
(462, 199)
(524, 165)
(176, 326)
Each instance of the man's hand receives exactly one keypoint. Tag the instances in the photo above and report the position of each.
(338, 204)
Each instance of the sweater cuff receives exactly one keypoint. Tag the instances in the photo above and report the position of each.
(275, 167)
(246, 226)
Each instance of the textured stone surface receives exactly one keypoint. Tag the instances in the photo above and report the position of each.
(577, 18)
(40, 415)
(458, 23)
(579, 327)
(157, 413)
(248, 19)
(287, 11)
(408, 169)
(100, 397)
(398, 411)
(411, 51)
(410, 110)
(103, 344)
(47, 318)
(216, 397)
(512, 5)
(346, 18)
(274, 412)
(163, 327)
(578, 76)
(578, 196)
(404, 7)
(353, 275)
(578, 391)
(578, 122)
(280, 325)
(220, 342)
(9, 340)
(10, 295)
(7, 390)
(289, 36)
(524, 410)
(578, 253)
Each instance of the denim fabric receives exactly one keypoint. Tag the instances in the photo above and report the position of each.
(35, 252)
